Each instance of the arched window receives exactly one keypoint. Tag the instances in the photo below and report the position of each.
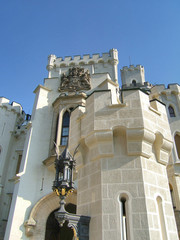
(134, 83)
(123, 218)
(161, 218)
(171, 111)
(177, 142)
(172, 195)
(65, 128)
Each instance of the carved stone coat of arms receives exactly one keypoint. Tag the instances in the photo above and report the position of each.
(76, 80)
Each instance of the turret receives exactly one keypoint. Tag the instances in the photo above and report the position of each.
(134, 77)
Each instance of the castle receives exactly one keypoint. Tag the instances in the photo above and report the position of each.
(128, 162)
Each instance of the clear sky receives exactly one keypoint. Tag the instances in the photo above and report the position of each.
(147, 32)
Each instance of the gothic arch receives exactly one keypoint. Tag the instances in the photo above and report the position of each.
(171, 111)
(36, 224)
(123, 194)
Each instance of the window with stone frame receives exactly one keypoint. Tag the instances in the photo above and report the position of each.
(65, 128)
(134, 82)
(172, 195)
(161, 217)
(171, 111)
(124, 216)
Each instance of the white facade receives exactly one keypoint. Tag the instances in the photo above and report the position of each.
(124, 163)
(13, 133)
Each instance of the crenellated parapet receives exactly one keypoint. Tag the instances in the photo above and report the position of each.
(132, 68)
(14, 106)
(159, 90)
(57, 63)
(109, 57)
(170, 96)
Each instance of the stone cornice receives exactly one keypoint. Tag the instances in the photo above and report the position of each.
(69, 97)
(41, 87)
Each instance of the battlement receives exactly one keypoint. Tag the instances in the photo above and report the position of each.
(14, 106)
(58, 62)
(162, 90)
(174, 87)
(132, 68)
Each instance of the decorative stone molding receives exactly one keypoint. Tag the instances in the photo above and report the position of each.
(139, 142)
(162, 148)
(72, 100)
(36, 224)
(29, 226)
(76, 80)
(101, 144)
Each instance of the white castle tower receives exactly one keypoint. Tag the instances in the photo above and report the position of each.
(124, 162)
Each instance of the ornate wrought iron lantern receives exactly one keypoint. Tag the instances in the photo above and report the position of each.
(63, 185)
(64, 166)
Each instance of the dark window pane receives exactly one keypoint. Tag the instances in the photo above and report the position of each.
(171, 111)
(65, 131)
(65, 128)
(64, 141)
(66, 118)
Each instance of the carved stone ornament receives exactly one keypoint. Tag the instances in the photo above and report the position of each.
(29, 226)
(77, 80)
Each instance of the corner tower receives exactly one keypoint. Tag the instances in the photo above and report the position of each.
(134, 77)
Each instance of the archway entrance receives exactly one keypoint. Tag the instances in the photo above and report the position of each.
(54, 231)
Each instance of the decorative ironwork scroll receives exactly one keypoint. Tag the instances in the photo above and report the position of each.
(79, 223)
(76, 80)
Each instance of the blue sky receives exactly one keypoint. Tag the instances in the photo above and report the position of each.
(147, 32)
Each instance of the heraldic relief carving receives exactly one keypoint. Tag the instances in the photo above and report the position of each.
(76, 80)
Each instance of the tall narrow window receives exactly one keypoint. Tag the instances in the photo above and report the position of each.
(171, 111)
(161, 218)
(65, 128)
(177, 142)
(172, 195)
(123, 220)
